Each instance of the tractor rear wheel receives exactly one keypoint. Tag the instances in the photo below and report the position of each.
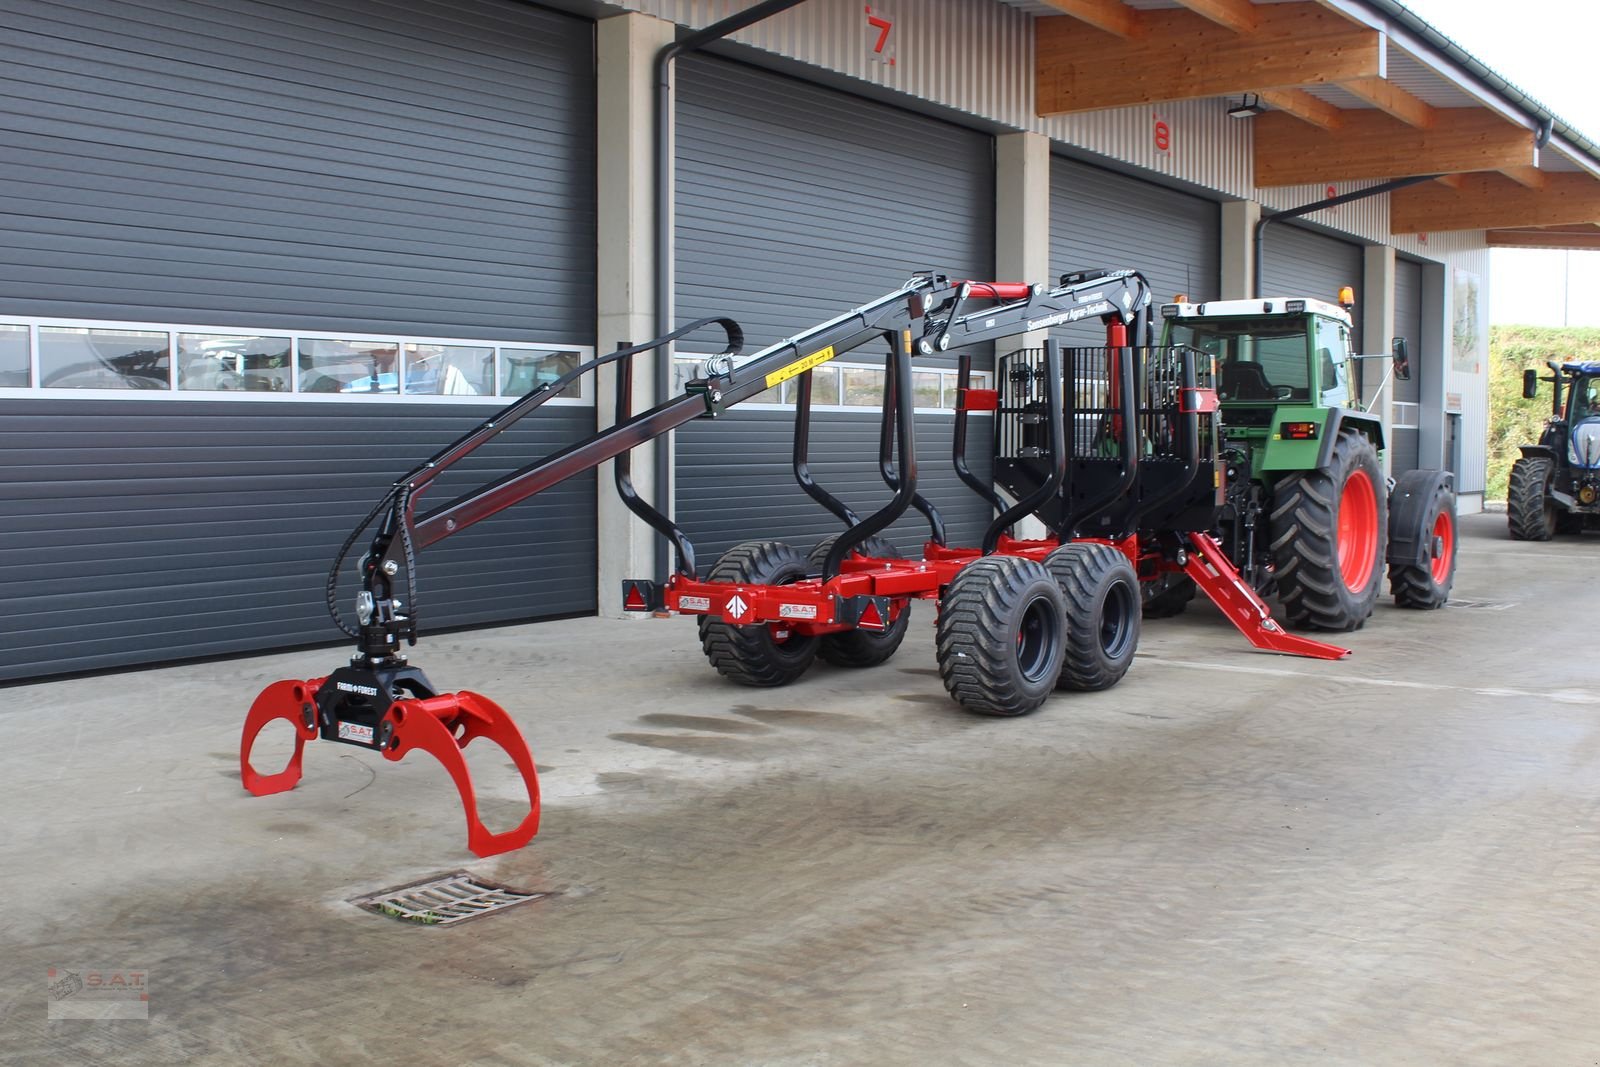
(765, 654)
(1327, 535)
(1530, 510)
(1000, 641)
(862, 648)
(1102, 591)
(1426, 585)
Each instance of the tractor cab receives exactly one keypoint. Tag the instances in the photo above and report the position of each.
(1583, 415)
(1268, 352)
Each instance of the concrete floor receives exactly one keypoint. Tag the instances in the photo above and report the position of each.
(1231, 858)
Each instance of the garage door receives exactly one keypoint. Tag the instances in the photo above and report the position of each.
(1299, 262)
(1099, 219)
(796, 203)
(334, 180)
(1403, 445)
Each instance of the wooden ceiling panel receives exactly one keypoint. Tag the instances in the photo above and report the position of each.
(1180, 55)
(1369, 145)
(1493, 202)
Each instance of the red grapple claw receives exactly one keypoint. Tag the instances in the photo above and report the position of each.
(293, 702)
(442, 726)
(439, 725)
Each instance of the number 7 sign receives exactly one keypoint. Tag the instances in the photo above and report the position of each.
(880, 45)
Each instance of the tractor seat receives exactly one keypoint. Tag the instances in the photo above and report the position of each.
(1245, 381)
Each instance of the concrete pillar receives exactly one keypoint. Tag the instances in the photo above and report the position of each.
(1022, 218)
(1239, 219)
(626, 47)
(1022, 236)
(1377, 329)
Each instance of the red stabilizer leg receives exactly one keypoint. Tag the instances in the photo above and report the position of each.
(280, 700)
(443, 726)
(1217, 577)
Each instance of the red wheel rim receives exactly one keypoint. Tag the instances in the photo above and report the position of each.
(1358, 531)
(1444, 547)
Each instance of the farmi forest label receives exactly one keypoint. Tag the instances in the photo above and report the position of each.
(800, 366)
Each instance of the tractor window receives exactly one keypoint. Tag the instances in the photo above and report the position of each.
(1331, 347)
(1586, 399)
(1257, 359)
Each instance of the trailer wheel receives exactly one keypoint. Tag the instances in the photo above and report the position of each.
(1427, 585)
(1102, 591)
(1001, 636)
(766, 654)
(863, 648)
(1167, 595)
(1328, 538)
(1530, 510)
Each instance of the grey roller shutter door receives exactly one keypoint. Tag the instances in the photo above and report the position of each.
(405, 167)
(1099, 219)
(1299, 262)
(1404, 446)
(125, 541)
(795, 203)
(320, 164)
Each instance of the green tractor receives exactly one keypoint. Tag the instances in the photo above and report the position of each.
(1555, 486)
(1308, 515)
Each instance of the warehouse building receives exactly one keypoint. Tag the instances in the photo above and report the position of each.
(259, 257)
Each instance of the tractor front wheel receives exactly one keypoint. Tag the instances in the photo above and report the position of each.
(1530, 510)
(862, 648)
(1001, 635)
(1426, 585)
(1102, 591)
(765, 654)
(1327, 536)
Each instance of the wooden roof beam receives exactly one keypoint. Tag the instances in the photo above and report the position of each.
(1180, 55)
(1528, 177)
(1236, 15)
(1112, 16)
(1494, 202)
(1587, 237)
(1370, 145)
(1303, 106)
(1393, 101)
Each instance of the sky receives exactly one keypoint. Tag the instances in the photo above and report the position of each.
(1545, 48)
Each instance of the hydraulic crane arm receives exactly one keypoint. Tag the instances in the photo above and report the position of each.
(943, 313)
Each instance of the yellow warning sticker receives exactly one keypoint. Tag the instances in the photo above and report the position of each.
(800, 366)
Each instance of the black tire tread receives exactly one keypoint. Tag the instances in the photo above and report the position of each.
(1304, 531)
(973, 634)
(858, 649)
(1526, 517)
(1172, 598)
(1412, 584)
(1083, 571)
(743, 654)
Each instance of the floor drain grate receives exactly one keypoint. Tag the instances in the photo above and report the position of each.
(444, 900)
(1484, 605)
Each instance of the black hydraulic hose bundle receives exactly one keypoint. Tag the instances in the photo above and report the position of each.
(397, 501)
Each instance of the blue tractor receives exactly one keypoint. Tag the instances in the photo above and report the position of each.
(1555, 486)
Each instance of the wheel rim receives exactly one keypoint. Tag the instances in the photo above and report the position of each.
(1036, 639)
(1121, 607)
(1444, 547)
(1358, 531)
